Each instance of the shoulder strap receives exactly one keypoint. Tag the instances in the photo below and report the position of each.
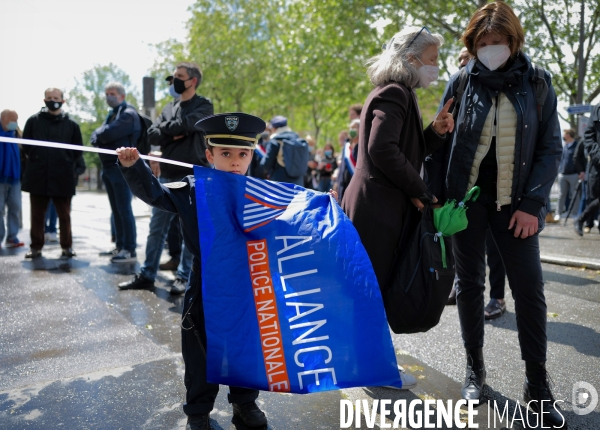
(462, 83)
(540, 88)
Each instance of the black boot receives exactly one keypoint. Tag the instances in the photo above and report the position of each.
(198, 422)
(472, 389)
(537, 391)
(250, 414)
(578, 226)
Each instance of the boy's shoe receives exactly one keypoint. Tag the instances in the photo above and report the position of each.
(408, 381)
(250, 414)
(51, 237)
(198, 422)
(178, 286)
(13, 243)
(169, 265)
(123, 256)
(34, 253)
(110, 253)
(67, 253)
(138, 282)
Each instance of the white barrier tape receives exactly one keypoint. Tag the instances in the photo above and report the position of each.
(87, 149)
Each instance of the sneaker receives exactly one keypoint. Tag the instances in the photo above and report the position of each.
(169, 265)
(178, 286)
(110, 253)
(13, 243)
(67, 253)
(51, 237)
(198, 422)
(34, 253)
(137, 283)
(123, 257)
(494, 309)
(408, 382)
(250, 414)
(586, 229)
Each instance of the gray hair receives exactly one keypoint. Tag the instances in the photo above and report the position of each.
(393, 65)
(115, 86)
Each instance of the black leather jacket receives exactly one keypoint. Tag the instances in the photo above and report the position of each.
(178, 119)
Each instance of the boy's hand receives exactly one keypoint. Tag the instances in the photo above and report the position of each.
(128, 156)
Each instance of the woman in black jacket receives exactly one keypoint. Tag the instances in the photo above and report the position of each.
(509, 144)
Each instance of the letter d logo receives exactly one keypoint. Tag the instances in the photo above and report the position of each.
(582, 391)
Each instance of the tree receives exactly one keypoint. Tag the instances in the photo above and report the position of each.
(563, 38)
(88, 103)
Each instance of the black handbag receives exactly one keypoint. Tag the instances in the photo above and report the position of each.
(418, 287)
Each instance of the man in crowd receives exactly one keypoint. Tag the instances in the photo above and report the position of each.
(179, 140)
(592, 147)
(568, 176)
(287, 154)
(50, 172)
(122, 127)
(10, 180)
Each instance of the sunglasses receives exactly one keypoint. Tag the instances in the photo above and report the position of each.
(417, 35)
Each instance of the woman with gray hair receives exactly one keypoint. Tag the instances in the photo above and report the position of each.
(392, 146)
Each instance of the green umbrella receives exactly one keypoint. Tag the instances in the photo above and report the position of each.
(452, 218)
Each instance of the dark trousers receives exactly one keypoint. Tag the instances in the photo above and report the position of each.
(497, 273)
(521, 259)
(590, 212)
(200, 395)
(119, 196)
(39, 204)
(174, 239)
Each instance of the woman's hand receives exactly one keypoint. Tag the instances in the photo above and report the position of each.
(419, 204)
(526, 224)
(128, 156)
(444, 122)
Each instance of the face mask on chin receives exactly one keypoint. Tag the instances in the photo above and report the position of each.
(493, 56)
(427, 74)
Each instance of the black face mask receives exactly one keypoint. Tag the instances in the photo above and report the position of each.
(179, 85)
(52, 105)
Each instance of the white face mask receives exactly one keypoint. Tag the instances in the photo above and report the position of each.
(493, 56)
(427, 74)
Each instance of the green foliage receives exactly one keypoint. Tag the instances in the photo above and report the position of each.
(306, 59)
(88, 102)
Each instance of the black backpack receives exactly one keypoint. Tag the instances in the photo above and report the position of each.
(143, 144)
(295, 156)
(540, 88)
(418, 289)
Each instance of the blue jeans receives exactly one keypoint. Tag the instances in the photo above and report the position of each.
(159, 227)
(10, 196)
(119, 196)
(51, 218)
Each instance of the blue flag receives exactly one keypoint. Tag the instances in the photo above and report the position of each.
(291, 302)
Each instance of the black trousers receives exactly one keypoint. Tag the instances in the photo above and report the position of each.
(497, 273)
(521, 259)
(174, 239)
(200, 395)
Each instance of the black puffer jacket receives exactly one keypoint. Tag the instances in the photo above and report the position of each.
(178, 119)
(538, 147)
(50, 171)
(592, 146)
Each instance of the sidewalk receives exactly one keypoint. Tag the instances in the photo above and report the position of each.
(561, 245)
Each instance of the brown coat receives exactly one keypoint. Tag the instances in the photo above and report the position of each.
(391, 149)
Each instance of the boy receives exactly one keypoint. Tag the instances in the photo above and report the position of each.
(231, 139)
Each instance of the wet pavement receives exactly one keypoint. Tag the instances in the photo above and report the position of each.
(77, 353)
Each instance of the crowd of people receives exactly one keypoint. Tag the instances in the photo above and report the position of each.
(492, 130)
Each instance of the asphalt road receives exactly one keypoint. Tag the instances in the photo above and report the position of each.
(77, 353)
